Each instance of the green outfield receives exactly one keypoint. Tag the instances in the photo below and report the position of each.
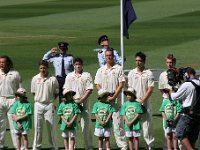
(28, 28)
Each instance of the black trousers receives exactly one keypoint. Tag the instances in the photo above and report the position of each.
(61, 82)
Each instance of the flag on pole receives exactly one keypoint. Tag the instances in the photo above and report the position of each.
(128, 16)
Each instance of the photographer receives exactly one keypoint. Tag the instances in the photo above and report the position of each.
(187, 129)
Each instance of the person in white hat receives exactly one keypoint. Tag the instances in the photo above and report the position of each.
(22, 110)
(68, 111)
(103, 111)
(10, 81)
(131, 111)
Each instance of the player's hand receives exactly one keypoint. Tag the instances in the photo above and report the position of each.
(77, 101)
(55, 50)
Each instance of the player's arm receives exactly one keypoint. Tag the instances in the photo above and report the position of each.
(149, 92)
(84, 97)
(117, 92)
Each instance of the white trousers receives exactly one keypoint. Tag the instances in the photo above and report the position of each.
(147, 126)
(5, 105)
(118, 127)
(85, 118)
(44, 113)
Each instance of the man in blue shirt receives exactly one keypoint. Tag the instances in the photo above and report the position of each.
(103, 41)
(62, 62)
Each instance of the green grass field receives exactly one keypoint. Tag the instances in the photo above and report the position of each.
(28, 28)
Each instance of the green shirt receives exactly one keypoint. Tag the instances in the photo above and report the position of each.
(68, 110)
(170, 108)
(103, 109)
(20, 109)
(130, 110)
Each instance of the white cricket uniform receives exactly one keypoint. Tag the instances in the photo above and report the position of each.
(109, 79)
(140, 83)
(80, 84)
(9, 83)
(44, 91)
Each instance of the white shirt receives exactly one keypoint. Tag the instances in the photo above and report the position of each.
(78, 83)
(140, 82)
(44, 89)
(109, 78)
(186, 93)
(9, 83)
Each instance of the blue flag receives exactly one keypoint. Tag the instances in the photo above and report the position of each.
(128, 16)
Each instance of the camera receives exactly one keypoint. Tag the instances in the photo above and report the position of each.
(175, 76)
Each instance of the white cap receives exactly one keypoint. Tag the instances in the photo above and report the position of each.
(21, 92)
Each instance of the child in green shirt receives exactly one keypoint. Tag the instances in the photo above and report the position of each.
(171, 113)
(22, 111)
(131, 111)
(68, 111)
(103, 112)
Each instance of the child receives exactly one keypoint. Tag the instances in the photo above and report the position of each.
(22, 111)
(103, 112)
(68, 111)
(131, 111)
(170, 113)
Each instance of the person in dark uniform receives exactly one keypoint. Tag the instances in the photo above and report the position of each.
(103, 41)
(62, 62)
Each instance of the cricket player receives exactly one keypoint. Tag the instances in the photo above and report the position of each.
(10, 81)
(81, 82)
(45, 90)
(111, 77)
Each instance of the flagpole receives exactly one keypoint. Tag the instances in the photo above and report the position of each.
(121, 41)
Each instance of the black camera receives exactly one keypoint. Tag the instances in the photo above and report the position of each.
(170, 123)
(175, 76)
